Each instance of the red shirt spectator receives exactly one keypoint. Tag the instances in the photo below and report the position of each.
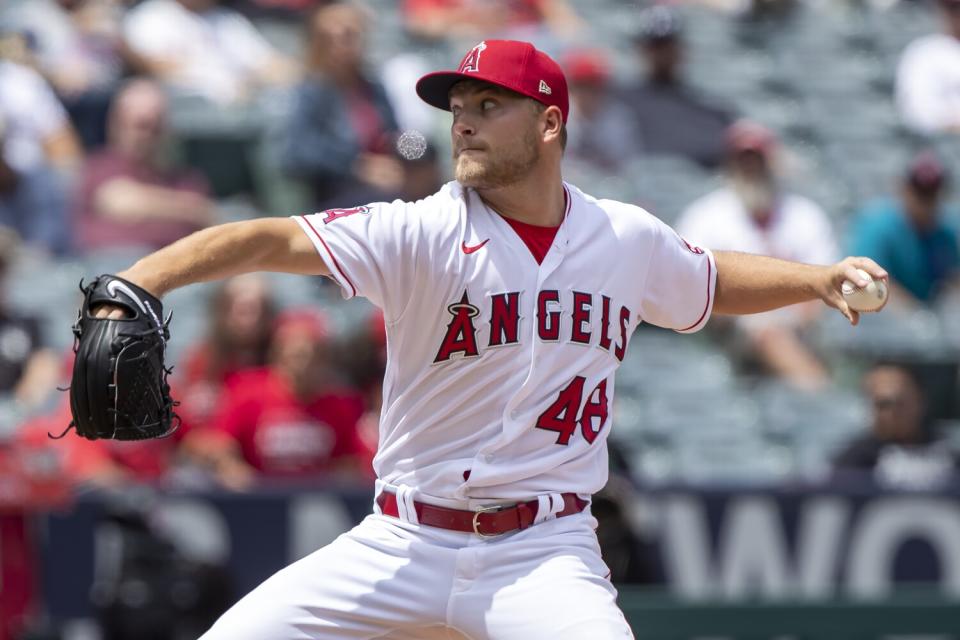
(282, 434)
(96, 230)
(290, 418)
(103, 462)
(241, 322)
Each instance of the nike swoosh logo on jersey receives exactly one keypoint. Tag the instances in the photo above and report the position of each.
(468, 250)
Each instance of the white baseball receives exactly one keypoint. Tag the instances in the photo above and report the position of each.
(411, 145)
(869, 298)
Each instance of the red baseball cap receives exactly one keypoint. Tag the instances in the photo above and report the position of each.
(926, 172)
(587, 66)
(517, 66)
(746, 135)
(306, 319)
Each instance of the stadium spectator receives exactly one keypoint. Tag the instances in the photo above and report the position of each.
(201, 48)
(670, 115)
(117, 464)
(78, 48)
(757, 9)
(542, 21)
(600, 132)
(101, 463)
(38, 477)
(928, 77)
(127, 195)
(363, 359)
(28, 370)
(900, 446)
(552, 24)
(293, 10)
(752, 212)
(39, 152)
(341, 134)
(291, 418)
(241, 316)
(911, 235)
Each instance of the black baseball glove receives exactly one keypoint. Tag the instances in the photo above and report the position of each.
(119, 387)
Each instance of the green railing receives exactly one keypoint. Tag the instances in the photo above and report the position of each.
(655, 615)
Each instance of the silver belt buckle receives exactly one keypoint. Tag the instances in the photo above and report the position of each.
(476, 520)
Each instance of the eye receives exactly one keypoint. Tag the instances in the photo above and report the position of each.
(455, 110)
(488, 104)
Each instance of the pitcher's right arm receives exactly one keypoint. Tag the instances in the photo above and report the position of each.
(215, 253)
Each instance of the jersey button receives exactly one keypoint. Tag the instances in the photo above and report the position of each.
(488, 457)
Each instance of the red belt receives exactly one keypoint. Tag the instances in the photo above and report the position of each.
(485, 521)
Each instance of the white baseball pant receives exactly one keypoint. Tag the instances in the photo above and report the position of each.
(390, 578)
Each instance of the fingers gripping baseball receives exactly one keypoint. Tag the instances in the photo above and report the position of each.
(851, 270)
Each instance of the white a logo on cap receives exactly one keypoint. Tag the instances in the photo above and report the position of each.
(545, 88)
(471, 61)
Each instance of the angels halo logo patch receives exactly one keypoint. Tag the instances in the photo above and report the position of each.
(471, 61)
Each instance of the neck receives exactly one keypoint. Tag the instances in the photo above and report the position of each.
(922, 221)
(137, 158)
(346, 77)
(535, 201)
(303, 386)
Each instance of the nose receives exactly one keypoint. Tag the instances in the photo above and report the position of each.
(463, 127)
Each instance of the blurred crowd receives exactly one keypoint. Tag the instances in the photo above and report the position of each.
(127, 124)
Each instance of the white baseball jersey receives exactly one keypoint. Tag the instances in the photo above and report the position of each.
(500, 372)
(928, 84)
(799, 229)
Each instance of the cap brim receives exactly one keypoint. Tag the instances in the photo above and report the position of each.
(434, 88)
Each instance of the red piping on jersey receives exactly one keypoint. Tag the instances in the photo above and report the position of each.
(707, 306)
(336, 264)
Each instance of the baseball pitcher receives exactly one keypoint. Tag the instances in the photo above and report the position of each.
(510, 297)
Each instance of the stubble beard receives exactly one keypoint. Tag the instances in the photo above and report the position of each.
(756, 195)
(492, 171)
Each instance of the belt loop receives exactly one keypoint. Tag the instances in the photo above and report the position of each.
(548, 506)
(378, 488)
(407, 510)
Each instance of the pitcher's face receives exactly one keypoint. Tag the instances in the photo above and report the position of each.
(494, 135)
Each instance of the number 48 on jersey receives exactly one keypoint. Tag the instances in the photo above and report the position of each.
(561, 415)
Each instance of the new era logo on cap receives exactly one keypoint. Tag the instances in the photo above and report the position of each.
(517, 66)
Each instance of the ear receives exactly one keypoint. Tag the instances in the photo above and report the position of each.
(552, 123)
